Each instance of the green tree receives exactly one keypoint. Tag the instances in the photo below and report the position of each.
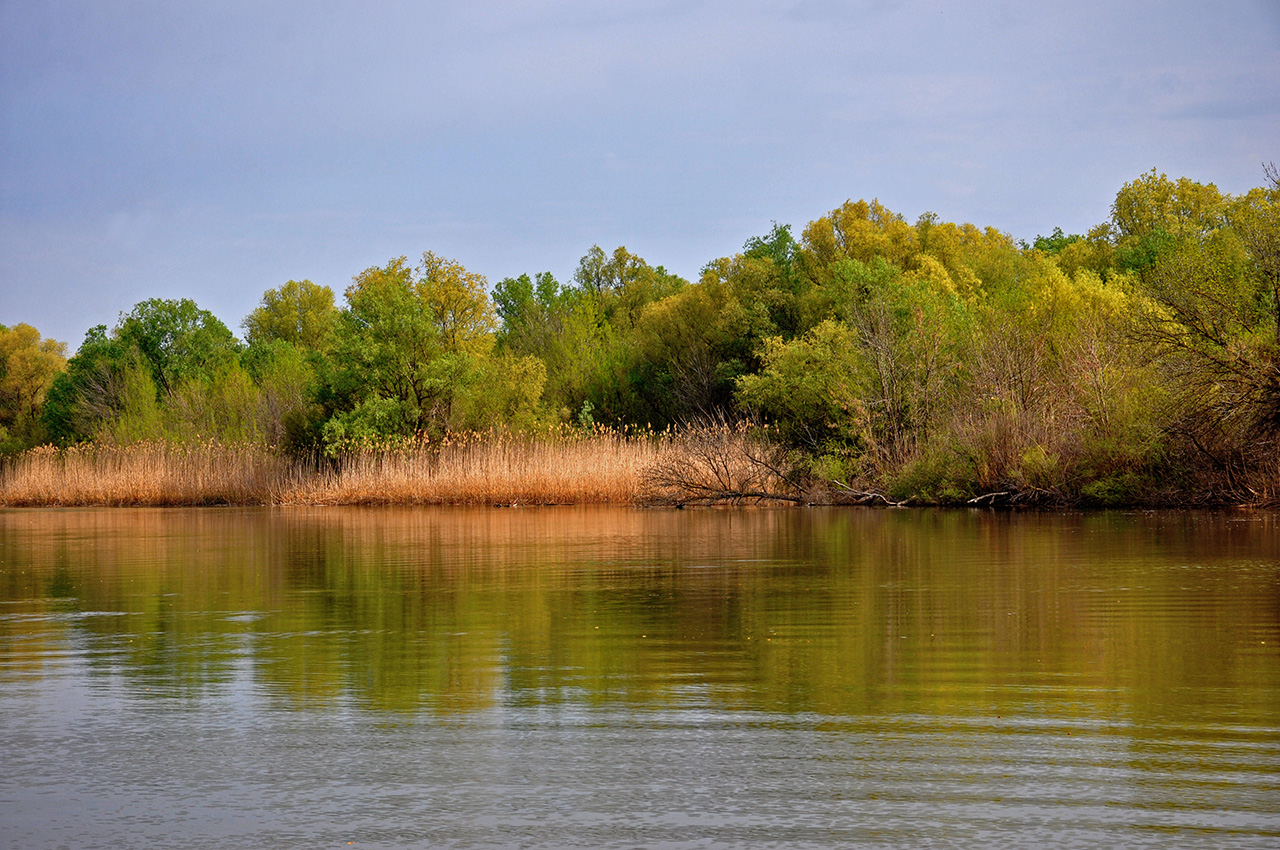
(1054, 243)
(386, 346)
(506, 392)
(136, 413)
(223, 405)
(28, 367)
(691, 352)
(532, 312)
(300, 313)
(913, 331)
(410, 344)
(779, 247)
(599, 272)
(159, 347)
(1204, 318)
(88, 393)
(623, 283)
(459, 302)
(812, 389)
(586, 335)
(177, 339)
(1255, 217)
(287, 377)
(1205, 268)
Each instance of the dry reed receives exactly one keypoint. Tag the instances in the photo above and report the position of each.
(558, 467)
(146, 474)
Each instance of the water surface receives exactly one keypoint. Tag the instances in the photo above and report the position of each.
(626, 678)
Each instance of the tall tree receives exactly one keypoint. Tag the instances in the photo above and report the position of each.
(408, 343)
(1206, 265)
(1255, 216)
(28, 367)
(459, 302)
(299, 312)
(177, 339)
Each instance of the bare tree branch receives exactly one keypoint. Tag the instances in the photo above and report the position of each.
(715, 461)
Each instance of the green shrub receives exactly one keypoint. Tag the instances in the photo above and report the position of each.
(938, 476)
(1114, 491)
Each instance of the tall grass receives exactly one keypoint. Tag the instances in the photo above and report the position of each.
(146, 474)
(561, 466)
(556, 467)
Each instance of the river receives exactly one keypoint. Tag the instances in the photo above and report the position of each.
(610, 677)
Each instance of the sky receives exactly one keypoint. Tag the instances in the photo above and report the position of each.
(215, 150)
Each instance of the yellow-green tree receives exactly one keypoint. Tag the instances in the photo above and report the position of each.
(413, 354)
(28, 367)
(812, 389)
(1255, 216)
(859, 230)
(1206, 268)
(300, 313)
(458, 301)
(1155, 203)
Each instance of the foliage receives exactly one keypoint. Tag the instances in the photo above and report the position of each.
(561, 326)
(459, 303)
(177, 340)
(387, 355)
(507, 390)
(122, 385)
(28, 367)
(1208, 311)
(287, 377)
(1153, 203)
(931, 361)
(414, 353)
(812, 389)
(300, 313)
(91, 393)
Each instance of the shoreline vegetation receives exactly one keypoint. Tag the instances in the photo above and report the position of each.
(714, 463)
(557, 467)
(870, 360)
(465, 469)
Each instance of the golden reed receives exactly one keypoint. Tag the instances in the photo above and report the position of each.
(556, 467)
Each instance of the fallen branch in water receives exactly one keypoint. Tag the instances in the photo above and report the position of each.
(1017, 496)
(867, 497)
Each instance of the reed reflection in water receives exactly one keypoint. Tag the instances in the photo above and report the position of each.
(620, 677)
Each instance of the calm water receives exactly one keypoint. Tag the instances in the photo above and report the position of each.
(624, 678)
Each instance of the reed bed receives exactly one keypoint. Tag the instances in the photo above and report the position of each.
(146, 474)
(491, 468)
(557, 467)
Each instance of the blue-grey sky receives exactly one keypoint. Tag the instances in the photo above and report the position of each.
(214, 150)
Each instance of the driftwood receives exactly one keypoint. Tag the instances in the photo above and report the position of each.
(866, 497)
(1016, 496)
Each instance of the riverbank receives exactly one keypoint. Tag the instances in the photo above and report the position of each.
(715, 464)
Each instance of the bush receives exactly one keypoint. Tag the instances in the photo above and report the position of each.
(1117, 490)
(937, 476)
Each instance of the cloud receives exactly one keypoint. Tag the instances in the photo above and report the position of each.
(155, 148)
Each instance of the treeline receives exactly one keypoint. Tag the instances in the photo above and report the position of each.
(936, 362)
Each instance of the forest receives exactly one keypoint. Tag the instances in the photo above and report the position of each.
(866, 360)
